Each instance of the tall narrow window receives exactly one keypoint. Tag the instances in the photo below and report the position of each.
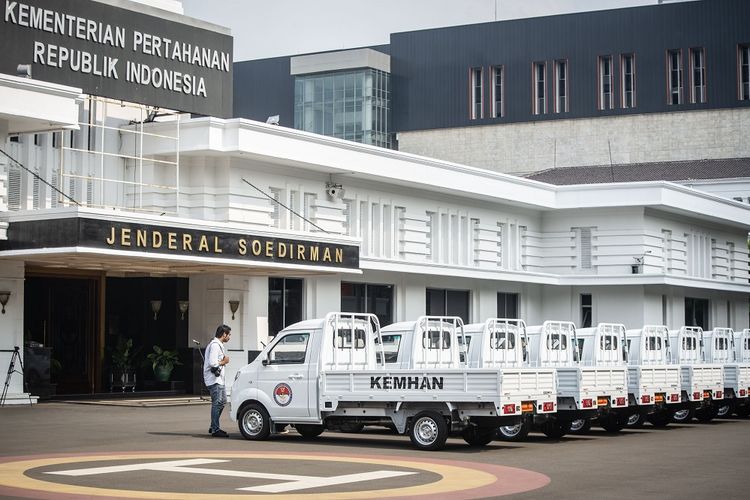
(698, 72)
(284, 303)
(674, 75)
(605, 82)
(507, 305)
(586, 310)
(448, 303)
(561, 86)
(477, 107)
(627, 70)
(540, 86)
(498, 87)
(743, 72)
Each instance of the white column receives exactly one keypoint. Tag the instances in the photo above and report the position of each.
(11, 329)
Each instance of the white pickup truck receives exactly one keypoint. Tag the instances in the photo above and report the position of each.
(702, 382)
(742, 358)
(324, 373)
(501, 344)
(603, 347)
(653, 382)
(721, 345)
(554, 345)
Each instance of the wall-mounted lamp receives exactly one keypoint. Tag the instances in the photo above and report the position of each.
(4, 296)
(155, 307)
(233, 306)
(183, 305)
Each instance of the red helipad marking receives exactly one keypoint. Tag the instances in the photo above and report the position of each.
(457, 481)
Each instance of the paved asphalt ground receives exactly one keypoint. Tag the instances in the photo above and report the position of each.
(680, 461)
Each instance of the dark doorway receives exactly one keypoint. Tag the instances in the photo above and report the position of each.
(61, 314)
(132, 314)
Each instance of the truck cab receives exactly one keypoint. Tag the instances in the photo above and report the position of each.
(653, 382)
(702, 382)
(603, 347)
(724, 347)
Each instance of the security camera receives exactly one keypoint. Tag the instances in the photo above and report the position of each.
(333, 190)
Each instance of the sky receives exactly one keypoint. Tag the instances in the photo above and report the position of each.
(264, 28)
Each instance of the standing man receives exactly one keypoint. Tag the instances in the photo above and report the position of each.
(213, 376)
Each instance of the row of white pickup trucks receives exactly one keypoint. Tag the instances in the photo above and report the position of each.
(436, 377)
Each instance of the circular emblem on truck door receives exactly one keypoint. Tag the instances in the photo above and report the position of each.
(282, 394)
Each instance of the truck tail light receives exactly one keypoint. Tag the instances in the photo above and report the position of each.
(696, 395)
(588, 403)
(719, 395)
(602, 401)
(706, 394)
(743, 393)
(620, 401)
(675, 398)
(509, 409)
(527, 407)
(549, 406)
(645, 399)
(659, 398)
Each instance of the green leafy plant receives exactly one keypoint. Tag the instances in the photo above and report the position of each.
(123, 355)
(163, 360)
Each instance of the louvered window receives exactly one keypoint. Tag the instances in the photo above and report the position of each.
(14, 188)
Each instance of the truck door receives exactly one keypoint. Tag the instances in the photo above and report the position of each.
(284, 375)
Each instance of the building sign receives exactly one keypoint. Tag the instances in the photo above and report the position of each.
(123, 54)
(152, 239)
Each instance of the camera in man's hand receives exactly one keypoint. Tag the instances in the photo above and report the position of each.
(216, 370)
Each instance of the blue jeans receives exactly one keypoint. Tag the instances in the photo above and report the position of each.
(218, 400)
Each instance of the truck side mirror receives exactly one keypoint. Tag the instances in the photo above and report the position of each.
(264, 361)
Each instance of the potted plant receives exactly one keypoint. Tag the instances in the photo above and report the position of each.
(163, 362)
(123, 369)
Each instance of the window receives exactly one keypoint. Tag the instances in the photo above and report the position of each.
(627, 70)
(653, 343)
(608, 342)
(391, 344)
(477, 91)
(696, 312)
(498, 87)
(507, 305)
(583, 246)
(605, 83)
(557, 341)
(540, 86)
(436, 339)
(291, 349)
(284, 303)
(343, 339)
(503, 340)
(561, 86)
(586, 310)
(674, 77)
(689, 343)
(721, 343)
(743, 72)
(367, 298)
(698, 72)
(448, 303)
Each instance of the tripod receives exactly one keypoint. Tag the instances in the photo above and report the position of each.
(11, 370)
(204, 362)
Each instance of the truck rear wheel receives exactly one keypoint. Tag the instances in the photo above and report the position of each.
(635, 421)
(743, 410)
(428, 431)
(660, 418)
(555, 429)
(707, 413)
(725, 409)
(309, 431)
(514, 433)
(580, 426)
(478, 436)
(613, 423)
(683, 416)
(254, 422)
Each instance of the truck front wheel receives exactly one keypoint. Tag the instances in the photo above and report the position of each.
(254, 422)
(428, 431)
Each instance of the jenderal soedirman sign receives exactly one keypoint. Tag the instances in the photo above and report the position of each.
(114, 52)
(84, 233)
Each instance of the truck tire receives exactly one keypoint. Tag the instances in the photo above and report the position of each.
(478, 436)
(683, 416)
(555, 429)
(309, 431)
(428, 431)
(514, 433)
(725, 409)
(254, 422)
(743, 411)
(707, 413)
(660, 418)
(580, 426)
(613, 423)
(635, 421)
